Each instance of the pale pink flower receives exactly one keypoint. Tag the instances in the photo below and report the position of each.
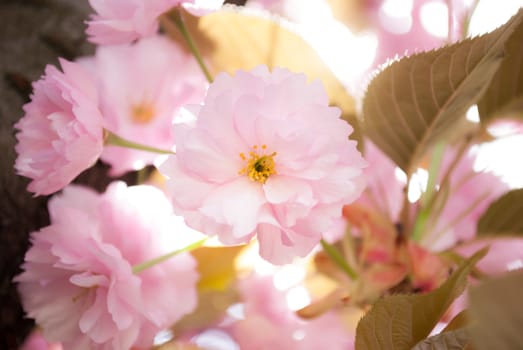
(404, 30)
(470, 194)
(124, 21)
(78, 281)
(61, 132)
(269, 323)
(384, 191)
(504, 254)
(266, 156)
(142, 88)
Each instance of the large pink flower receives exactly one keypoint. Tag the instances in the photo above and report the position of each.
(78, 281)
(269, 323)
(142, 87)
(123, 21)
(61, 132)
(266, 155)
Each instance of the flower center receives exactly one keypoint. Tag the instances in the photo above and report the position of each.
(142, 113)
(259, 164)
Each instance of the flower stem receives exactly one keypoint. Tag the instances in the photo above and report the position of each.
(145, 265)
(115, 140)
(335, 255)
(427, 198)
(177, 18)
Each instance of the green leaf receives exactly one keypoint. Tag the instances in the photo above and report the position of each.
(453, 340)
(503, 217)
(504, 96)
(496, 313)
(399, 322)
(422, 99)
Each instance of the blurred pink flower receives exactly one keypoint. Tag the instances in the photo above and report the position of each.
(504, 127)
(266, 155)
(427, 271)
(504, 254)
(61, 132)
(400, 35)
(384, 191)
(142, 88)
(124, 21)
(470, 194)
(78, 281)
(35, 341)
(403, 29)
(268, 322)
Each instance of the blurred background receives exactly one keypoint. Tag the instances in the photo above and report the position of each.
(34, 33)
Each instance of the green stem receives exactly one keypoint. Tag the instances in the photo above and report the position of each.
(176, 16)
(145, 265)
(435, 163)
(427, 198)
(335, 255)
(115, 140)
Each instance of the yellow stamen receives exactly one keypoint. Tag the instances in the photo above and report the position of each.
(142, 113)
(259, 166)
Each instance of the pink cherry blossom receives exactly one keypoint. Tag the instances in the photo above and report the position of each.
(266, 155)
(142, 88)
(403, 31)
(384, 191)
(269, 323)
(61, 132)
(78, 281)
(504, 254)
(124, 21)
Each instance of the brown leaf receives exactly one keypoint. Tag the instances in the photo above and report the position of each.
(419, 100)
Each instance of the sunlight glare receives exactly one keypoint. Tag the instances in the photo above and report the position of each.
(297, 298)
(288, 276)
(490, 14)
(473, 114)
(434, 18)
(418, 183)
(396, 16)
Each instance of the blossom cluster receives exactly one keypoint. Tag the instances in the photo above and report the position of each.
(261, 161)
